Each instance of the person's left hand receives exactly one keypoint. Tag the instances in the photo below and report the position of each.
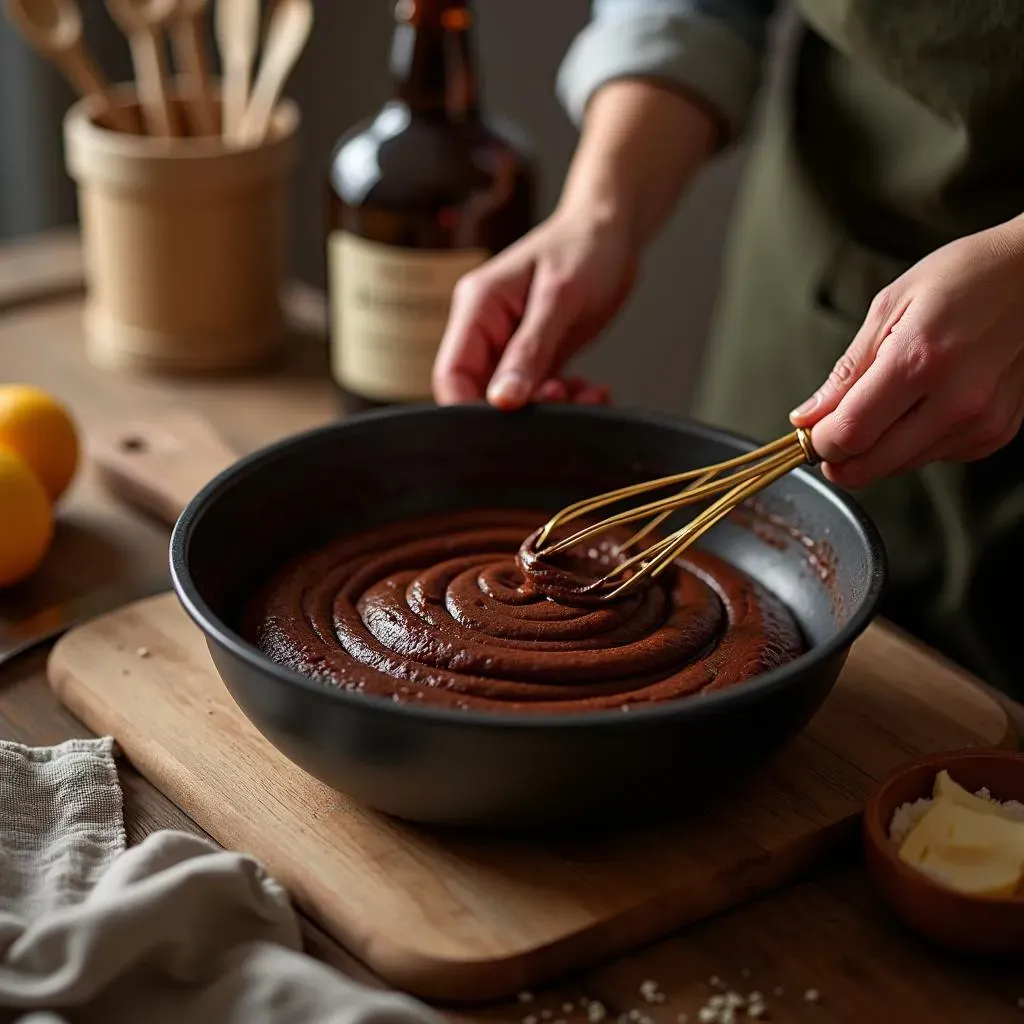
(936, 371)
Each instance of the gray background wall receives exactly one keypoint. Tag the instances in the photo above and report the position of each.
(650, 354)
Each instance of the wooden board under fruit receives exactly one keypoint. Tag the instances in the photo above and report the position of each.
(462, 918)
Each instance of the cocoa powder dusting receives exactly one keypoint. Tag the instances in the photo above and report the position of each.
(778, 532)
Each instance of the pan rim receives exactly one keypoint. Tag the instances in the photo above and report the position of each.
(697, 706)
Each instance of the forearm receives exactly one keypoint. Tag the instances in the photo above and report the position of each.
(655, 87)
(641, 144)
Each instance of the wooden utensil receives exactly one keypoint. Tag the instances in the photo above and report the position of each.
(289, 28)
(54, 29)
(236, 23)
(144, 22)
(193, 65)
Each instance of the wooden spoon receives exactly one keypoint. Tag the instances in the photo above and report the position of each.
(54, 29)
(143, 22)
(289, 28)
(237, 24)
(193, 65)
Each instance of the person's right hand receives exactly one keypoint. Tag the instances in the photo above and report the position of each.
(517, 319)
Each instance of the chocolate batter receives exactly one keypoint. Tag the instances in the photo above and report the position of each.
(438, 610)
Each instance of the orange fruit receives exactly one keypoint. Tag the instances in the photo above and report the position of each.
(34, 425)
(26, 519)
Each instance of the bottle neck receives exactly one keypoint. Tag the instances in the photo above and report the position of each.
(432, 57)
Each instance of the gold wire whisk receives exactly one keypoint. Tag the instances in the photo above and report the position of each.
(735, 480)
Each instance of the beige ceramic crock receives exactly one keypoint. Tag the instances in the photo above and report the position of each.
(184, 244)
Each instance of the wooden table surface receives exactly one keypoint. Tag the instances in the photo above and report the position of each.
(830, 933)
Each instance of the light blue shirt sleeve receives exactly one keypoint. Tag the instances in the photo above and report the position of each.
(713, 48)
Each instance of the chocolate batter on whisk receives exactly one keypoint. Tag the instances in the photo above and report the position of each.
(437, 610)
(576, 576)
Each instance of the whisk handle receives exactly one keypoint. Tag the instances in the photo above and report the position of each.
(804, 439)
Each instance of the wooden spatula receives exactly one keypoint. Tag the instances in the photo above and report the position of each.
(144, 23)
(54, 29)
(289, 28)
(193, 66)
(237, 24)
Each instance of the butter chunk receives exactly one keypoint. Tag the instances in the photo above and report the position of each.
(972, 851)
(946, 789)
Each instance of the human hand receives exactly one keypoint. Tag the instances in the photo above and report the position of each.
(517, 319)
(936, 371)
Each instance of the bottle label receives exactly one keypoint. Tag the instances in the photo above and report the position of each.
(389, 310)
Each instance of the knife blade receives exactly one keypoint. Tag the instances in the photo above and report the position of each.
(17, 636)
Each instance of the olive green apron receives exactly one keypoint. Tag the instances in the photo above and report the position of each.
(899, 131)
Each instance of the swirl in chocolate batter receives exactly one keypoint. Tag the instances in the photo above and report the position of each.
(437, 610)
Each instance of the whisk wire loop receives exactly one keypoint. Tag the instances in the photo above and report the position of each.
(730, 482)
(588, 505)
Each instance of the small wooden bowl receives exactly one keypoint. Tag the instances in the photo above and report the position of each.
(990, 926)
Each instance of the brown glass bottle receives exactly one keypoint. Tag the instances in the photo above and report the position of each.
(420, 193)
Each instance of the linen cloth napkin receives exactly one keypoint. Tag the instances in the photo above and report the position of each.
(172, 930)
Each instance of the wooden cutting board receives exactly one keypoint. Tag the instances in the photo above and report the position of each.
(459, 918)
